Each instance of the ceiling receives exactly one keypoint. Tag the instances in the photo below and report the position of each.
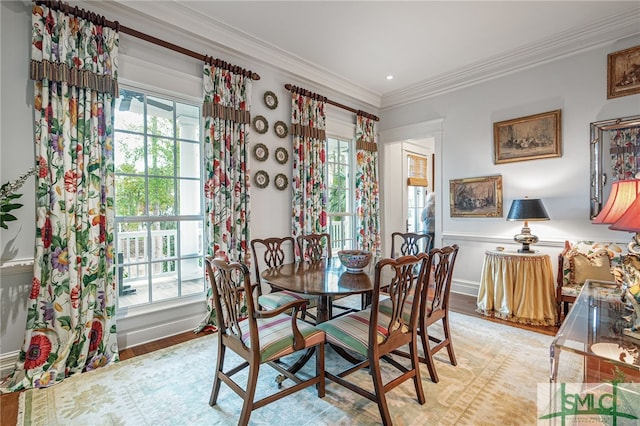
(428, 46)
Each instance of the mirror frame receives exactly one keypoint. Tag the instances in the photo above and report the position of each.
(598, 176)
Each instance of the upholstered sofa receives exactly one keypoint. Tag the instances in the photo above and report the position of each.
(583, 260)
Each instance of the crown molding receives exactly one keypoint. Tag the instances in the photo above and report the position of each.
(182, 18)
(208, 32)
(552, 48)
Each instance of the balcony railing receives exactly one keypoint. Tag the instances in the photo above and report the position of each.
(145, 258)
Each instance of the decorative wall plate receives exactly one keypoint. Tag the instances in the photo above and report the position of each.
(281, 181)
(261, 179)
(260, 151)
(281, 129)
(270, 99)
(260, 124)
(282, 155)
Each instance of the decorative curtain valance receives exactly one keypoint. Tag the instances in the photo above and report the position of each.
(366, 146)
(225, 94)
(309, 107)
(69, 49)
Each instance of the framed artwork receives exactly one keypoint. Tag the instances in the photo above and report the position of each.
(527, 138)
(270, 100)
(282, 155)
(623, 72)
(260, 124)
(261, 179)
(281, 129)
(476, 197)
(281, 182)
(260, 151)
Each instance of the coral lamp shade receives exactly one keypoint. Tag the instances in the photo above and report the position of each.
(623, 194)
(630, 219)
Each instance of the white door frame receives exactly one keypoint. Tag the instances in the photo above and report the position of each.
(393, 143)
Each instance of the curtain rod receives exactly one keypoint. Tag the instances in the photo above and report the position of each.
(101, 20)
(301, 91)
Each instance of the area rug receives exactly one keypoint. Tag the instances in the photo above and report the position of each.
(495, 382)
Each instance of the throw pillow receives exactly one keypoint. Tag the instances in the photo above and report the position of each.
(596, 266)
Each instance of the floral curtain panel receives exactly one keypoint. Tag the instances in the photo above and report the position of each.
(624, 148)
(367, 195)
(309, 194)
(72, 305)
(227, 106)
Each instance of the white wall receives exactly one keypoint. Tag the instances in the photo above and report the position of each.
(152, 67)
(16, 157)
(459, 122)
(577, 86)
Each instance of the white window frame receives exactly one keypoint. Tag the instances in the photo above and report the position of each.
(179, 257)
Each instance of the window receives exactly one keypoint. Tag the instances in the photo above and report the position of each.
(417, 187)
(341, 218)
(158, 203)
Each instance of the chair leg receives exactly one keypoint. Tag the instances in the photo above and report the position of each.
(447, 336)
(216, 378)
(428, 356)
(252, 382)
(379, 390)
(320, 387)
(415, 366)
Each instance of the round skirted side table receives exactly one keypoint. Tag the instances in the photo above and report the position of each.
(518, 287)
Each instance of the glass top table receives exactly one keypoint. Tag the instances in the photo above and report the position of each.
(594, 328)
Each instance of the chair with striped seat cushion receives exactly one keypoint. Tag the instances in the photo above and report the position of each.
(374, 335)
(271, 253)
(434, 307)
(259, 337)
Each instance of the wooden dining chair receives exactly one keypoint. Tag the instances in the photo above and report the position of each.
(409, 243)
(317, 247)
(434, 307)
(258, 337)
(374, 334)
(271, 253)
(314, 247)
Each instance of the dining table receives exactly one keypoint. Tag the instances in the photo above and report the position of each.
(328, 279)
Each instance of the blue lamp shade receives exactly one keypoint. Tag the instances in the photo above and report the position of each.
(527, 209)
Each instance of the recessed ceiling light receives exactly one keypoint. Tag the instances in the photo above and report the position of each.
(389, 77)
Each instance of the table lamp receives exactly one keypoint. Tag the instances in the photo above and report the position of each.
(527, 209)
(625, 203)
(623, 193)
(630, 221)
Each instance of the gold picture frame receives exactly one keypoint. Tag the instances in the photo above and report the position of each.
(527, 138)
(476, 197)
(623, 72)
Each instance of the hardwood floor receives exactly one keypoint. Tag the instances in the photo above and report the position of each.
(459, 303)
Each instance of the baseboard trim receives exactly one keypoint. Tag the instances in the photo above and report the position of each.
(8, 362)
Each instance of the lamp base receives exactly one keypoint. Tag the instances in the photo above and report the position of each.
(525, 238)
(525, 249)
